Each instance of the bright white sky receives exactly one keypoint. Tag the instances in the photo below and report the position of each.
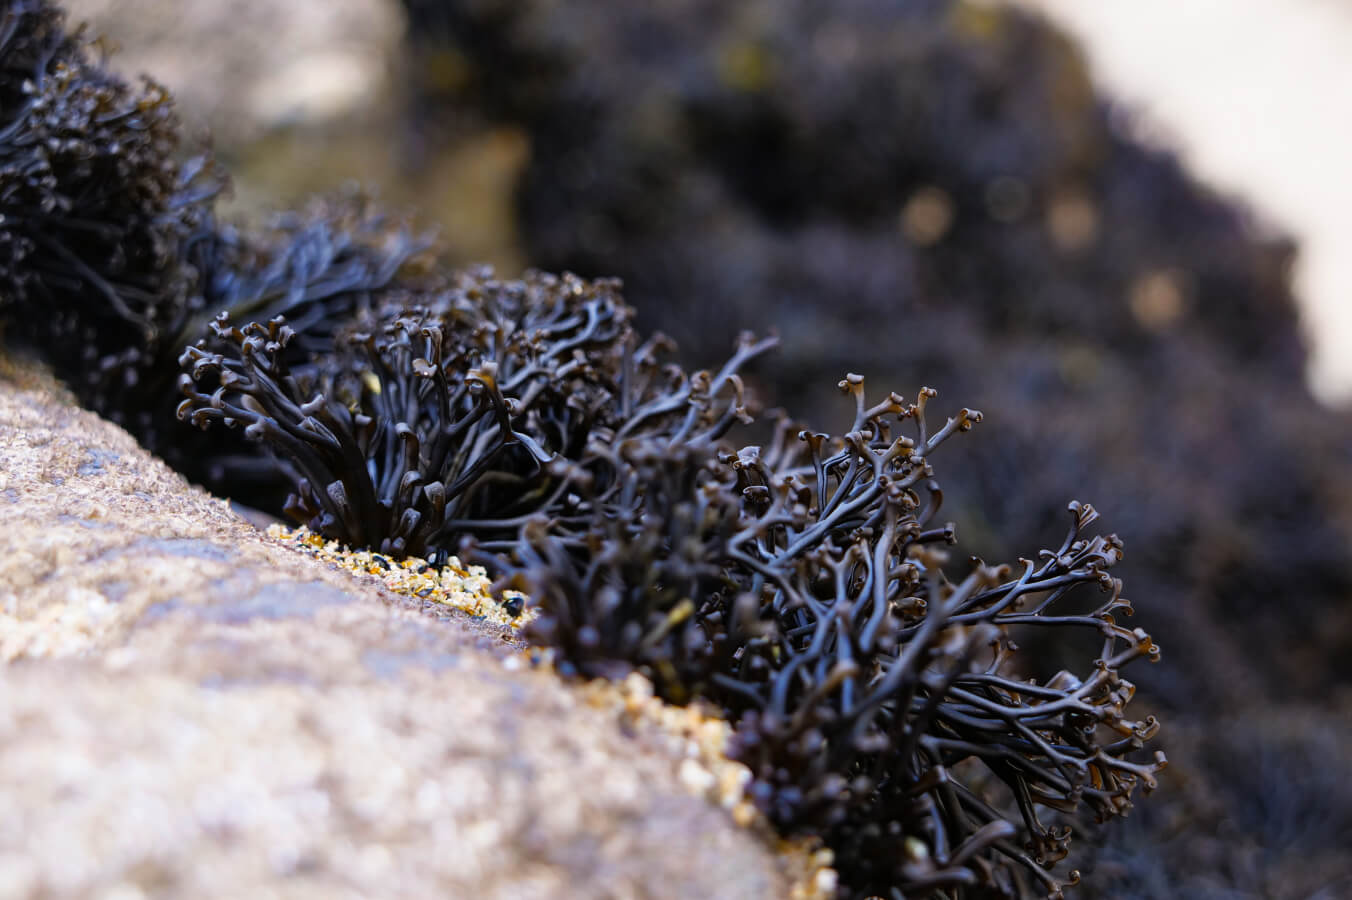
(1257, 95)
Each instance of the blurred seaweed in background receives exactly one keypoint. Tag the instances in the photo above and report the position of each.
(933, 190)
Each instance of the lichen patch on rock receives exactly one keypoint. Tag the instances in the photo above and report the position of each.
(466, 588)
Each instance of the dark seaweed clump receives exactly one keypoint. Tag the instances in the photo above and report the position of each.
(931, 191)
(112, 258)
(802, 585)
(97, 211)
(318, 267)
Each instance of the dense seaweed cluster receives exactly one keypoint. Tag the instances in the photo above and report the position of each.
(943, 172)
(874, 685)
(801, 585)
(112, 257)
(317, 267)
(439, 414)
(97, 209)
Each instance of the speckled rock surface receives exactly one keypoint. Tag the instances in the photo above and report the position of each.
(187, 709)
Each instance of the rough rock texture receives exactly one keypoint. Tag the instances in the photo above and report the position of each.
(189, 710)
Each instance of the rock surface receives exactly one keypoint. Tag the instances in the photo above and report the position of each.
(187, 709)
(253, 65)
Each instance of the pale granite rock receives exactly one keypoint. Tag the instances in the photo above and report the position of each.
(189, 710)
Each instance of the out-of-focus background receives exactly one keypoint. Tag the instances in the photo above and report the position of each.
(1115, 229)
(1254, 96)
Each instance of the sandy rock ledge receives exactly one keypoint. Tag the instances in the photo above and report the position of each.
(187, 709)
